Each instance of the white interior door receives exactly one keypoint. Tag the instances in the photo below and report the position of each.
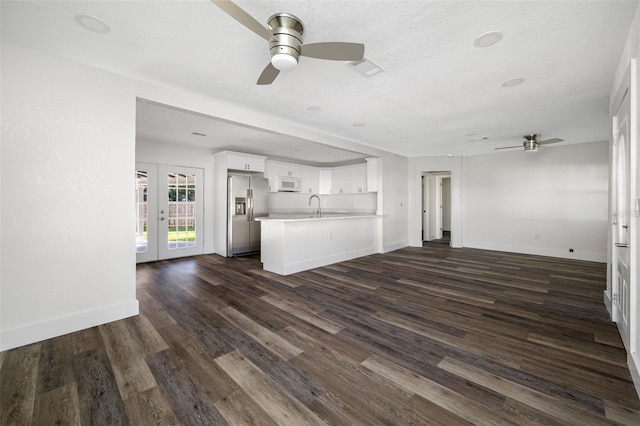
(180, 212)
(146, 218)
(446, 203)
(425, 208)
(621, 222)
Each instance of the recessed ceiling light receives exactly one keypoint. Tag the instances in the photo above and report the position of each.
(513, 82)
(198, 134)
(488, 39)
(449, 155)
(92, 23)
(358, 124)
(314, 108)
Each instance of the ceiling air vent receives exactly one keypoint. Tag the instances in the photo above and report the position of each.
(365, 67)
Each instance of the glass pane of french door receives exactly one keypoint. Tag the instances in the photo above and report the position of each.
(180, 211)
(146, 212)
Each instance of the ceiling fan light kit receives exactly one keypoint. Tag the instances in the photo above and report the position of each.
(532, 143)
(284, 35)
(285, 47)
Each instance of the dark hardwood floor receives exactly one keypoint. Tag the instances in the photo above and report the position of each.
(429, 335)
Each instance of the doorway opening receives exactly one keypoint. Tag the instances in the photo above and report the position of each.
(436, 207)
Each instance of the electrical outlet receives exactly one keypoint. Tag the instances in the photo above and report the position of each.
(570, 250)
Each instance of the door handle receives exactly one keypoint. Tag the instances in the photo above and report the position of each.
(161, 218)
(248, 212)
(623, 245)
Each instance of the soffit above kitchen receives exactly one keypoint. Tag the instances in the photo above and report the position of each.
(170, 125)
(440, 91)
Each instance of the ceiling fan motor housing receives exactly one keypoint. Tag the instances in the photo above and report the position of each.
(531, 142)
(285, 49)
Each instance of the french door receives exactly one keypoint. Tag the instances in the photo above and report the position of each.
(169, 212)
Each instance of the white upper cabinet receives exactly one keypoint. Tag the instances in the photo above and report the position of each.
(324, 181)
(308, 175)
(310, 179)
(246, 162)
(341, 180)
(353, 179)
(372, 174)
(349, 179)
(359, 178)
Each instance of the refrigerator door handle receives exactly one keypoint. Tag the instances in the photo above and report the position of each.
(249, 205)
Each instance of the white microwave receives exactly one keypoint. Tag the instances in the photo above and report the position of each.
(288, 184)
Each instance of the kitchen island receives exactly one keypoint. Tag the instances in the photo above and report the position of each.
(293, 243)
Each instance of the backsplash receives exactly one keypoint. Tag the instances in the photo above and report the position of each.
(283, 202)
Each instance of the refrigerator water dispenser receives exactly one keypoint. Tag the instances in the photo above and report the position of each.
(241, 206)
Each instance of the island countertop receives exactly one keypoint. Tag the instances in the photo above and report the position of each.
(301, 216)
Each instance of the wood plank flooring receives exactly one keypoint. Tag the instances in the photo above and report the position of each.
(428, 335)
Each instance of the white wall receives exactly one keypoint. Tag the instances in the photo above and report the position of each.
(68, 257)
(178, 155)
(393, 201)
(539, 203)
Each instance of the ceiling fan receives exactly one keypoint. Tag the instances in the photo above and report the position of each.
(284, 34)
(532, 142)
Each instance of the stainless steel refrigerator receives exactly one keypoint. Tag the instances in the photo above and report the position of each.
(248, 200)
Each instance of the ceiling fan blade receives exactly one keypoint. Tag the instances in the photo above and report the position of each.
(548, 141)
(334, 51)
(244, 18)
(268, 75)
(508, 147)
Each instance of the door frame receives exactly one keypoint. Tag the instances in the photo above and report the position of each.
(432, 203)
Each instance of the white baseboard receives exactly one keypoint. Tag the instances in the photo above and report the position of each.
(43, 330)
(635, 375)
(393, 247)
(538, 251)
(608, 304)
(292, 268)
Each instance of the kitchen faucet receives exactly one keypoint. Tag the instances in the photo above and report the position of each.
(319, 210)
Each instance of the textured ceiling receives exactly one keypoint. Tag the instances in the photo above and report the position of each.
(438, 94)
